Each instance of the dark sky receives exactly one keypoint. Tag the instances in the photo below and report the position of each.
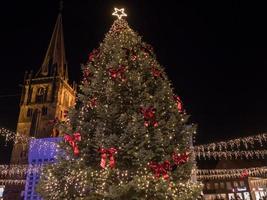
(215, 53)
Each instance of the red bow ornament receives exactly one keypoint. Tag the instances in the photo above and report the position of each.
(94, 54)
(105, 154)
(160, 169)
(72, 139)
(179, 103)
(149, 116)
(87, 72)
(156, 72)
(179, 159)
(118, 73)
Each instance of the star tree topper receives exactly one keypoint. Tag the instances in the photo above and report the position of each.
(119, 13)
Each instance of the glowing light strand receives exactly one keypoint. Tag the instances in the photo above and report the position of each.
(213, 174)
(12, 182)
(12, 171)
(259, 154)
(247, 142)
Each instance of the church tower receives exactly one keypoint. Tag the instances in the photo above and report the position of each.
(46, 95)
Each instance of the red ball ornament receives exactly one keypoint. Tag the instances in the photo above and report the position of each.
(155, 124)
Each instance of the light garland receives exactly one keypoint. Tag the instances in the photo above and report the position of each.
(247, 142)
(12, 182)
(18, 170)
(252, 154)
(213, 174)
(16, 137)
(22, 170)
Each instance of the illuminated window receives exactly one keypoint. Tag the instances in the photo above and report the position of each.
(2, 188)
(208, 186)
(222, 185)
(228, 185)
(216, 185)
(242, 183)
(235, 184)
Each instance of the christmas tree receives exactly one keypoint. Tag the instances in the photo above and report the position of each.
(128, 136)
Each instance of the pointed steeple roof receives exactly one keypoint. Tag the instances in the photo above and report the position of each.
(55, 59)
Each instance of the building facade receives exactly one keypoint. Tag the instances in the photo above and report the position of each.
(248, 188)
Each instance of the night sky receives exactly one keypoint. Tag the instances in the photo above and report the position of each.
(215, 53)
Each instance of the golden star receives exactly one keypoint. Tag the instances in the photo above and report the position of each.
(119, 13)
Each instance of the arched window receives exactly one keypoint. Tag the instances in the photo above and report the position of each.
(66, 99)
(29, 112)
(35, 123)
(40, 95)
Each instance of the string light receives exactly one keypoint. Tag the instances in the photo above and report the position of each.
(12, 182)
(211, 174)
(252, 154)
(236, 143)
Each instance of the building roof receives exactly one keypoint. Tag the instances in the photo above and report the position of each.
(55, 59)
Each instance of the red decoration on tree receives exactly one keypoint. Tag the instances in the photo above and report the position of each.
(133, 57)
(107, 153)
(179, 159)
(72, 139)
(179, 103)
(149, 116)
(94, 54)
(92, 103)
(118, 73)
(87, 72)
(156, 72)
(148, 49)
(244, 174)
(160, 169)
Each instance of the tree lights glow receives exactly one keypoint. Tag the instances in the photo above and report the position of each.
(127, 118)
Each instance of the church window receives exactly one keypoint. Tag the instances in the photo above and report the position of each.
(29, 100)
(41, 95)
(66, 99)
(29, 112)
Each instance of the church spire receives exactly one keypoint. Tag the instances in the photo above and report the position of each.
(55, 59)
